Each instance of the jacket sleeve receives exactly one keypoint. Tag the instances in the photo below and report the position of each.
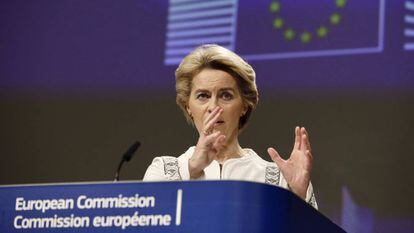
(310, 195)
(155, 171)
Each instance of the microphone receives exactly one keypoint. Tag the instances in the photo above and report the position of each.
(126, 157)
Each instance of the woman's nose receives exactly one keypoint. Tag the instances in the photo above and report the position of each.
(212, 105)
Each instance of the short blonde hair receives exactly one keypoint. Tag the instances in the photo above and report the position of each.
(216, 57)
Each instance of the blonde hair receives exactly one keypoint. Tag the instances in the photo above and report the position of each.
(216, 57)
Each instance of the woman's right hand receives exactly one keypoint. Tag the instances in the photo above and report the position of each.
(208, 146)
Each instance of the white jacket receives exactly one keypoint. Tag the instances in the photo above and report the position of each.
(249, 167)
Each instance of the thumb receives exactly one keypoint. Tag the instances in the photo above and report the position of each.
(219, 142)
(274, 155)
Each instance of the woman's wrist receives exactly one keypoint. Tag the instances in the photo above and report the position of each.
(299, 192)
(194, 171)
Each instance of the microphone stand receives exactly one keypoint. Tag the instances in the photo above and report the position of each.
(126, 157)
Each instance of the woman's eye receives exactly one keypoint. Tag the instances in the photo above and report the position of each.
(202, 96)
(227, 96)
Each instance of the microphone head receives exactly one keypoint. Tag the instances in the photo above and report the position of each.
(131, 150)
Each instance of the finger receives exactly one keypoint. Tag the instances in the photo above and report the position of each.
(211, 138)
(303, 143)
(297, 138)
(309, 154)
(304, 131)
(306, 141)
(219, 142)
(212, 114)
(210, 124)
(274, 155)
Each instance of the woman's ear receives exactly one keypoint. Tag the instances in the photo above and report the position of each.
(188, 111)
(245, 109)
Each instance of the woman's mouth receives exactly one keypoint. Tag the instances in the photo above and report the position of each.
(218, 123)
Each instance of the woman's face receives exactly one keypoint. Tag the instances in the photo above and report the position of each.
(216, 88)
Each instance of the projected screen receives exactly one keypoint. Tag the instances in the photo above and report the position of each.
(323, 45)
(263, 30)
(278, 36)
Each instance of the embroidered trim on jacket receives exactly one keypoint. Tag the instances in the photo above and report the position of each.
(272, 175)
(171, 168)
(312, 201)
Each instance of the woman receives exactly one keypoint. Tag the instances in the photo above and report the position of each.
(216, 91)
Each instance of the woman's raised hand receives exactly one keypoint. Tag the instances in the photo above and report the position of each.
(297, 168)
(208, 146)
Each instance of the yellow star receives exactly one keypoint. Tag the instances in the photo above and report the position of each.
(340, 3)
(289, 34)
(278, 23)
(305, 37)
(274, 7)
(322, 31)
(335, 18)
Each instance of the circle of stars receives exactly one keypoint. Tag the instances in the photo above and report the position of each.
(305, 36)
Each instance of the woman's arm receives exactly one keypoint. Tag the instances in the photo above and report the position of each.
(296, 169)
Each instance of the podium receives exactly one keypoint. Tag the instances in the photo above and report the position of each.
(187, 206)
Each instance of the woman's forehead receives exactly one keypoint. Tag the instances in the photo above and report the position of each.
(213, 79)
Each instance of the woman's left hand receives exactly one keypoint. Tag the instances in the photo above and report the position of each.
(297, 168)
